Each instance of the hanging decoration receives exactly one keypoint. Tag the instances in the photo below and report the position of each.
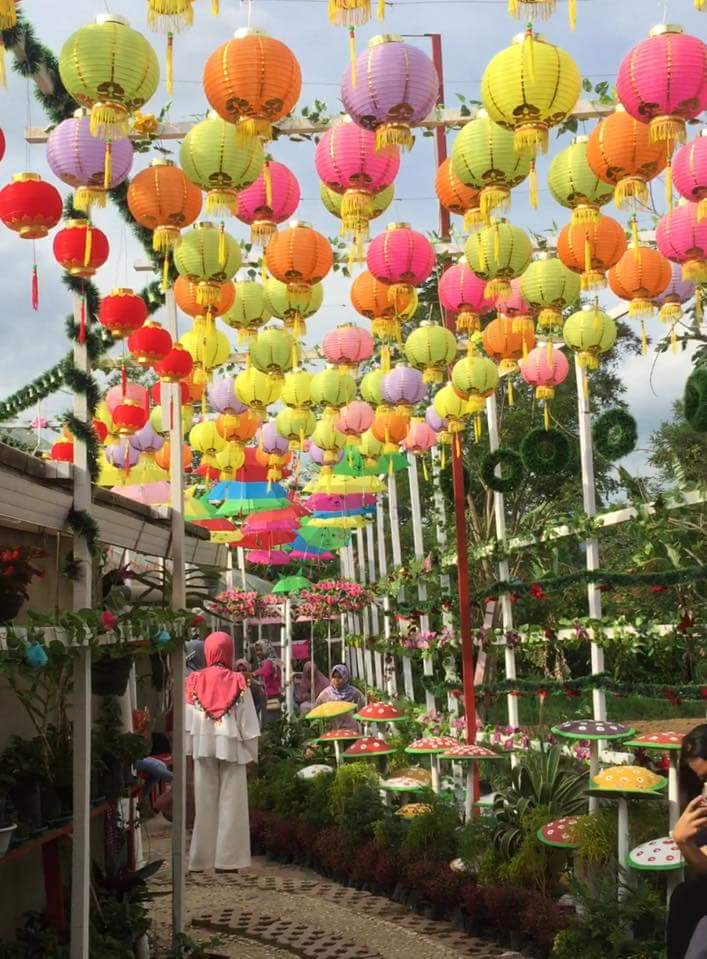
(403, 388)
(370, 297)
(497, 254)
(170, 17)
(677, 292)
(682, 238)
(380, 202)
(456, 197)
(462, 293)
(640, 276)
(269, 201)
(589, 333)
(507, 340)
(591, 249)
(163, 200)
(545, 369)
(208, 257)
(299, 257)
(431, 348)
(122, 312)
(249, 311)
(347, 346)
(575, 185)
(690, 173)
(293, 306)
(522, 9)
(402, 259)
(271, 351)
(549, 287)
(80, 248)
(332, 390)
(30, 206)
(615, 434)
(545, 452)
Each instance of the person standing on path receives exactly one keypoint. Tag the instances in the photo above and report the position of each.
(222, 737)
(269, 673)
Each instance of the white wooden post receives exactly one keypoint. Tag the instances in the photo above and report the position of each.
(289, 685)
(499, 509)
(82, 598)
(179, 761)
(375, 618)
(365, 612)
(389, 665)
(441, 533)
(394, 521)
(419, 547)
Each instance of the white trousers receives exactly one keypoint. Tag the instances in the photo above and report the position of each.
(221, 836)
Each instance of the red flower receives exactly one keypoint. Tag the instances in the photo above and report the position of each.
(537, 592)
(657, 589)
(108, 620)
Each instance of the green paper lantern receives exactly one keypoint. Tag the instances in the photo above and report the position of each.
(431, 348)
(549, 287)
(297, 390)
(293, 308)
(271, 352)
(498, 254)
(159, 426)
(379, 202)
(475, 376)
(208, 257)
(574, 184)
(295, 425)
(329, 440)
(589, 333)
(250, 309)
(371, 387)
(332, 389)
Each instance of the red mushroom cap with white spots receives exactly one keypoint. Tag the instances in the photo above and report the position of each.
(432, 744)
(560, 832)
(369, 746)
(379, 713)
(336, 734)
(471, 751)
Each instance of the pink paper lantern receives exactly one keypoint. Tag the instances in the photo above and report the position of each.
(420, 438)
(401, 258)
(263, 205)
(683, 239)
(662, 81)
(347, 346)
(395, 88)
(461, 292)
(544, 369)
(133, 392)
(354, 419)
(512, 303)
(677, 292)
(690, 173)
(403, 388)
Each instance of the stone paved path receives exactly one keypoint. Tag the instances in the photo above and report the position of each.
(279, 912)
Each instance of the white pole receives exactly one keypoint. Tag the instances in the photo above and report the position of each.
(367, 655)
(419, 547)
(394, 520)
(391, 679)
(623, 847)
(355, 618)
(375, 616)
(499, 509)
(592, 545)
(441, 533)
(82, 599)
(178, 599)
(289, 685)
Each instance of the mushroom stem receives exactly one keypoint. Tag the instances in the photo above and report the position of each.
(623, 847)
(469, 798)
(593, 771)
(434, 769)
(677, 876)
(337, 752)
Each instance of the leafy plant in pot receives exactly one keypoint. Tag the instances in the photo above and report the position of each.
(114, 751)
(16, 573)
(110, 674)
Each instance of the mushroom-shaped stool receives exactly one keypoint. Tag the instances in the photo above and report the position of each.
(330, 710)
(471, 754)
(412, 810)
(432, 746)
(624, 783)
(593, 730)
(368, 747)
(656, 855)
(379, 713)
(414, 779)
(337, 737)
(316, 769)
(560, 833)
(670, 743)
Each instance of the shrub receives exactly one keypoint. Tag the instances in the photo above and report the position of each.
(433, 835)
(354, 801)
(435, 882)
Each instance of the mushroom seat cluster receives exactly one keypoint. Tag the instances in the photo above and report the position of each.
(368, 747)
(311, 772)
(628, 779)
(379, 713)
(330, 710)
(656, 855)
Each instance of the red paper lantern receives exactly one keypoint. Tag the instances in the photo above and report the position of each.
(100, 429)
(2, 144)
(29, 206)
(122, 312)
(156, 394)
(175, 366)
(62, 451)
(150, 344)
(128, 417)
(80, 248)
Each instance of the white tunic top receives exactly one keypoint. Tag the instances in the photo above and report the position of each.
(233, 738)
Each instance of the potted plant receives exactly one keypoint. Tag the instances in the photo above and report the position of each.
(16, 573)
(23, 760)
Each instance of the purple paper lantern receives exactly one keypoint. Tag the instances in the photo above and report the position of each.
(317, 455)
(434, 420)
(123, 456)
(677, 292)
(80, 161)
(222, 397)
(396, 88)
(146, 440)
(403, 387)
(271, 441)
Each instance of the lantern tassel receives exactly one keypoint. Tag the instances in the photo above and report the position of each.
(702, 210)
(511, 401)
(381, 9)
(267, 181)
(587, 255)
(123, 379)
(169, 65)
(165, 274)
(634, 234)
(572, 10)
(699, 310)
(669, 183)
(529, 52)
(644, 338)
(221, 246)
(215, 7)
(496, 243)
(533, 183)
(352, 55)
(549, 351)
(673, 339)
(107, 165)
(546, 416)
(35, 288)
(88, 243)
(3, 74)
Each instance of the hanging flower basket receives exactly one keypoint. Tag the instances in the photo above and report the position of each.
(109, 677)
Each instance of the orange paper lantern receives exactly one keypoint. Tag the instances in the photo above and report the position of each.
(163, 200)
(640, 276)
(370, 297)
(300, 257)
(508, 339)
(185, 293)
(162, 456)
(620, 151)
(591, 249)
(456, 197)
(391, 429)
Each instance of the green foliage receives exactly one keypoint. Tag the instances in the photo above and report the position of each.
(433, 835)
(545, 452)
(512, 470)
(678, 451)
(355, 803)
(597, 837)
(615, 434)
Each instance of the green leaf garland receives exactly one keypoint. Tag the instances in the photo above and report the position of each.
(615, 434)
(545, 452)
(511, 468)
(695, 399)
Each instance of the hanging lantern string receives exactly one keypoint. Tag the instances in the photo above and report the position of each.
(381, 9)
(35, 279)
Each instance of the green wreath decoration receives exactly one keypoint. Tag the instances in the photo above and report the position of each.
(545, 452)
(512, 468)
(615, 434)
(695, 400)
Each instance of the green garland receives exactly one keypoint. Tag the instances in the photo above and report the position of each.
(84, 525)
(574, 687)
(615, 434)
(511, 468)
(695, 400)
(601, 577)
(545, 452)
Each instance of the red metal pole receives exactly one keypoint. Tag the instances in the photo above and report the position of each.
(467, 643)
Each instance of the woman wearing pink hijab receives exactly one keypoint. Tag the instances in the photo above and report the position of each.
(222, 736)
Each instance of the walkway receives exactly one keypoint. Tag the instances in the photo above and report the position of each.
(277, 912)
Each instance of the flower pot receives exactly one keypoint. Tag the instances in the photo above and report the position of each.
(10, 605)
(109, 677)
(6, 833)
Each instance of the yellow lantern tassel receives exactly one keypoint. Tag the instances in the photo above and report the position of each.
(634, 234)
(511, 401)
(699, 311)
(546, 416)
(572, 10)
(549, 351)
(203, 403)
(496, 243)
(381, 10)
(585, 384)
(385, 358)
(8, 14)
(669, 183)
(169, 66)
(587, 255)
(88, 242)
(165, 274)
(425, 474)
(3, 74)
(221, 246)
(702, 210)
(480, 246)
(673, 339)
(644, 338)
(443, 458)
(513, 8)
(352, 55)
(214, 7)
(107, 165)
(529, 52)
(268, 185)
(533, 183)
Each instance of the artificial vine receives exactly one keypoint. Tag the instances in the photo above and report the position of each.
(545, 686)
(695, 400)
(600, 577)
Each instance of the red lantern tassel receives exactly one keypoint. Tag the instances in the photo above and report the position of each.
(124, 379)
(35, 288)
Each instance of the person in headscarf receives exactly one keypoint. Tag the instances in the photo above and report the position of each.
(222, 736)
(269, 673)
(195, 657)
(256, 687)
(340, 689)
(312, 684)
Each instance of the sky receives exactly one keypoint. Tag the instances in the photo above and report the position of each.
(472, 31)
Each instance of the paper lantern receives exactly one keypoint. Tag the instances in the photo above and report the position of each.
(205, 438)
(390, 428)
(238, 428)
(297, 389)
(272, 199)
(252, 81)
(249, 310)
(682, 238)
(371, 298)
(229, 460)
(123, 456)
(160, 424)
(662, 81)
(62, 451)
(371, 449)
(347, 346)
(507, 339)
(220, 163)
(80, 160)
(690, 173)
(208, 348)
(451, 407)
(175, 366)
(271, 351)
(222, 396)
(162, 457)
(379, 202)
(591, 249)
(677, 292)
(208, 257)
(295, 425)
(129, 417)
(332, 389)
(116, 394)
(549, 287)
(29, 206)
(329, 440)
(640, 276)
(355, 418)
(622, 153)
(431, 348)
(372, 387)
(420, 438)
(530, 87)
(403, 259)
(575, 185)
(293, 308)
(589, 333)
(80, 248)
(257, 390)
(474, 375)
(528, 9)
(185, 294)
(146, 440)
(544, 369)
(403, 388)
(163, 199)
(463, 294)
(400, 89)
(149, 344)
(456, 197)
(300, 257)
(122, 312)
(497, 254)
(110, 69)
(484, 158)
(348, 163)
(511, 302)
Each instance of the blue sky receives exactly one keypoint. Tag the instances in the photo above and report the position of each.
(472, 31)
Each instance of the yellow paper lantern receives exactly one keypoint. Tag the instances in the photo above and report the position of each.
(295, 425)
(257, 390)
(332, 389)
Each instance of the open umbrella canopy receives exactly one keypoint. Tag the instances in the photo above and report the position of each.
(235, 490)
(332, 503)
(325, 538)
(151, 494)
(267, 557)
(264, 538)
(291, 584)
(336, 522)
(243, 507)
(197, 508)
